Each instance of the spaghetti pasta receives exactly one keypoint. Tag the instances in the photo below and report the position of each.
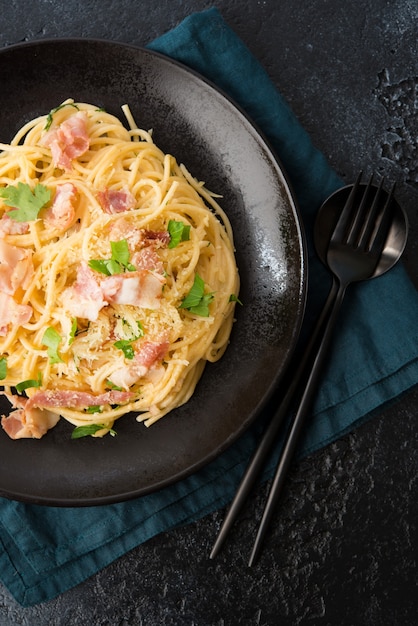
(118, 279)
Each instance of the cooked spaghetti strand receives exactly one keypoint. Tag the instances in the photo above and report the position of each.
(116, 274)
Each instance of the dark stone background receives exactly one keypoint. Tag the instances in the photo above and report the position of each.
(343, 547)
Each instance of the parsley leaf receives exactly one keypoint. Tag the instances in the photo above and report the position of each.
(52, 339)
(118, 262)
(3, 368)
(89, 429)
(94, 409)
(178, 231)
(126, 344)
(120, 252)
(50, 115)
(197, 301)
(234, 298)
(105, 266)
(73, 330)
(27, 203)
(112, 386)
(26, 384)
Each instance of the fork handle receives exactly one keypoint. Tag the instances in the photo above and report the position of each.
(292, 438)
(269, 437)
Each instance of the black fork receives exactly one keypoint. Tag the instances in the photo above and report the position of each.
(356, 244)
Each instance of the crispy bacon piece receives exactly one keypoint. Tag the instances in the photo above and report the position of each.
(26, 422)
(68, 141)
(16, 268)
(89, 294)
(148, 259)
(151, 352)
(76, 399)
(61, 213)
(116, 200)
(124, 229)
(9, 226)
(141, 288)
(12, 313)
(84, 298)
(31, 419)
(158, 237)
(147, 357)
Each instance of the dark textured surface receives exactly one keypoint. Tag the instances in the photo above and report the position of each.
(343, 548)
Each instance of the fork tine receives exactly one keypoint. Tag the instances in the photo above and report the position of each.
(345, 217)
(377, 235)
(361, 216)
(370, 220)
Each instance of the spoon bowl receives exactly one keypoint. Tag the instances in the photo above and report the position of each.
(330, 211)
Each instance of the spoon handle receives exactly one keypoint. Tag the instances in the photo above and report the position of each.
(292, 438)
(270, 434)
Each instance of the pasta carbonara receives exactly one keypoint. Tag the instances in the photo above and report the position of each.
(118, 278)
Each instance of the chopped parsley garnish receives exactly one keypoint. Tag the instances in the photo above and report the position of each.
(31, 382)
(3, 368)
(178, 231)
(118, 262)
(120, 252)
(52, 339)
(73, 330)
(110, 385)
(197, 301)
(50, 115)
(234, 298)
(126, 344)
(26, 203)
(88, 430)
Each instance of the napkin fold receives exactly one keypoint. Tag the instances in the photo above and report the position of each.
(46, 550)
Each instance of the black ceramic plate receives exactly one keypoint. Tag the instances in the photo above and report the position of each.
(218, 144)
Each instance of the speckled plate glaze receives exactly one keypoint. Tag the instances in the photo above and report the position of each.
(191, 119)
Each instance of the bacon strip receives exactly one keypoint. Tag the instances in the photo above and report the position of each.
(61, 213)
(148, 259)
(31, 419)
(76, 399)
(9, 226)
(12, 313)
(125, 229)
(84, 298)
(149, 354)
(90, 292)
(141, 288)
(161, 237)
(16, 268)
(25, 422)
(68, 141)
(116, 201)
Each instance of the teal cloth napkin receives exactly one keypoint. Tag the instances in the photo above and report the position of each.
(46, 550)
